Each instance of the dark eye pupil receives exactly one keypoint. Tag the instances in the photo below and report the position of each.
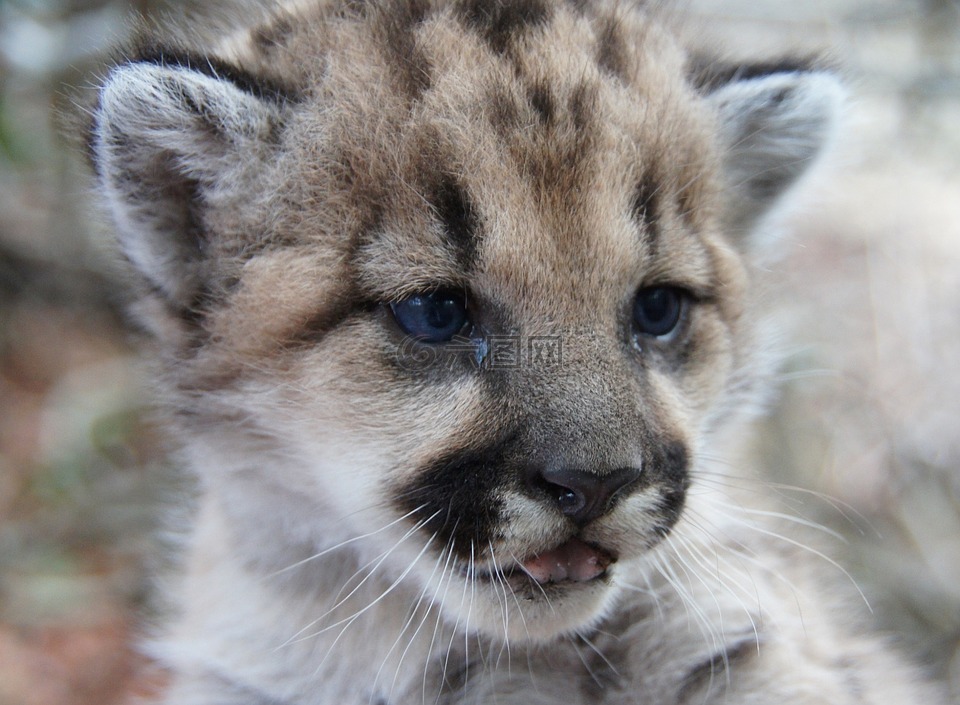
(434, 317)
(657, 310)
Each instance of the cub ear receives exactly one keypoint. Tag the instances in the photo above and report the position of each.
(169, 142)
(773, 126)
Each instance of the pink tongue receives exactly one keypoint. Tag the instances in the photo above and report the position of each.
(573, 560)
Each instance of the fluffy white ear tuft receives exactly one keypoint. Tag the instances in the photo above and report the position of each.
(168, 141)
(772, 128)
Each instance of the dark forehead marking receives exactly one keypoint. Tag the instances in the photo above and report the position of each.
(583, 104)
(612, 51)
(559, 166)
(500, 22)
(508, 113)
(542, 101)
(396, 26)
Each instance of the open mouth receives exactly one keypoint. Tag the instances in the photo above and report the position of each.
(572, 561)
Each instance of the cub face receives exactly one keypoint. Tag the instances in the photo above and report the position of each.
(460, 291)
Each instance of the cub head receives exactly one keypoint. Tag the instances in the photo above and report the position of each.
(461, 289)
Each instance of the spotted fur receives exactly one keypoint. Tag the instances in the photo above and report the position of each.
(378, 514)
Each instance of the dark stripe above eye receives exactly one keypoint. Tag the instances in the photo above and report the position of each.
(459, 219)
(646, 202)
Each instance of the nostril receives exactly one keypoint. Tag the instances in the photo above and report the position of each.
(570, 501)
(581, 495)
(556, 486)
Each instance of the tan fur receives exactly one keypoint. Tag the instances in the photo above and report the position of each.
(367, 500)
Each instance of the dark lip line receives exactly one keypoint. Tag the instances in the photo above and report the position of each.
(518, 574)
(515, 567)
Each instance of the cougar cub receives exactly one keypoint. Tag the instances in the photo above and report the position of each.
(456, 316)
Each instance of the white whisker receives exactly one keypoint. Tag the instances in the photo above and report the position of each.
(446, 574)
(363, 610)
(406, 625)
(347, 542)
(804, 547)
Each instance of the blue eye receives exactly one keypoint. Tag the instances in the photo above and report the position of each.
(657, 310)
(433, 318)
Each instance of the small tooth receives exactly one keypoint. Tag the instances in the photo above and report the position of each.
(573, 560)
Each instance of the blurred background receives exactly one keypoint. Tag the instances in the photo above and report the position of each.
(864, 436)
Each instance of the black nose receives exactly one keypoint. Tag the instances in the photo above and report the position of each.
(583, 496)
